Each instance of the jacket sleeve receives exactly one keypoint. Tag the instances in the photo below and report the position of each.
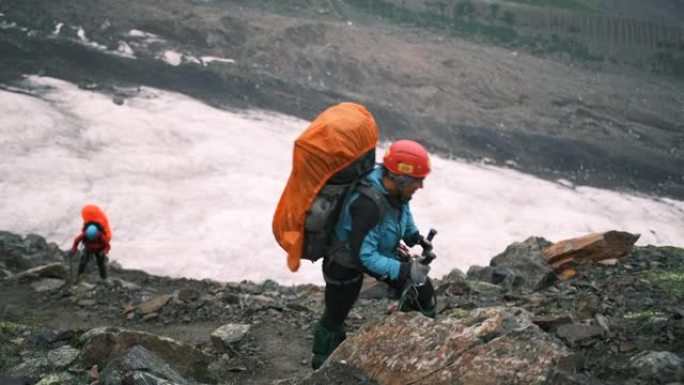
(78, 240)
(384, 267)
(364, 240)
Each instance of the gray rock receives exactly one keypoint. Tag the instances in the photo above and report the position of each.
(138, 365)
(579, 334)
(62, 356)
(12, 380)
(101, 343)
(51, 270)
(523, 267)
(662, 367)
(59, 379)
(47, 284)
(118, 282)
(33, 369)
(228, 334)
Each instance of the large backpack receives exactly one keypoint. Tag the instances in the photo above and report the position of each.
(92, 214)
(330, 158)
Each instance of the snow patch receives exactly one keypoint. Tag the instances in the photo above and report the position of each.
(58, 29)
(125, 50)
(208, 59)
(171, 57)
(190, 190)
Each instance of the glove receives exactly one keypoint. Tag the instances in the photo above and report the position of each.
(418, 272)
(427, 257)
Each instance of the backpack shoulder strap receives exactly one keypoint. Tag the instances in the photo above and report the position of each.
(376, 196)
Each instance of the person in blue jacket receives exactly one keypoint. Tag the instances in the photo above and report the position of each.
(375, 220)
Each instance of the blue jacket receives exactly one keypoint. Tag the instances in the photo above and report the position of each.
(377, 253)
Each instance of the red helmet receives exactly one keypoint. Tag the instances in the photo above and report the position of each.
(406, 157)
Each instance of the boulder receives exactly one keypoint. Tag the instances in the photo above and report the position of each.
(51, 270)
(662, 367)
(21, 253)
(138, 365)
(490, 346)
(104, 343)
(521, 267)
(47, 284)
(566, 256)
(32, 369)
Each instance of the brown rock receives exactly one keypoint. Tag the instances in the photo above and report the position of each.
(154, 304)
(626, 346)
(565, 256)
(372, 288)
(551, 323)
(187, 294)
(93, 374)
(491, 346)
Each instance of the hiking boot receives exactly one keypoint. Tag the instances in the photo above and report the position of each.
(324, 343)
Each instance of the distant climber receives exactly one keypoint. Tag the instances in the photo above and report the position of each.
(95, 237)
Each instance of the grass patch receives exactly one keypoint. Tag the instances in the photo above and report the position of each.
(7, 357)
(12, 328)
(551, 308)
(484, 287)
(458, 314)
(571, 5)
(642, 315)
(672, 281)
(464, 24)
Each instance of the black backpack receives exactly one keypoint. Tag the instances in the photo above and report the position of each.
(326, 209)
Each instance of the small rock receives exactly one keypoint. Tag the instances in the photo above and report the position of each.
(154, 304)
(603, 321)
(228, 334)
(62, 356)
(93, 374)
(575, 334)
(48, 284)
(626, 346)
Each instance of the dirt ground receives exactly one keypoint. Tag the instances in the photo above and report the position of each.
(274, 350)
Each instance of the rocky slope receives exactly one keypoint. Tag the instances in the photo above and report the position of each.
(620, 322)
(552, 116)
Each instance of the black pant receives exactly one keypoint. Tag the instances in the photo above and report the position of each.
(101, 259)
(342, 289)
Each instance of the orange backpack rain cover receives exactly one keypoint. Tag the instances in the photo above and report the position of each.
(92, 213)
(338, 136)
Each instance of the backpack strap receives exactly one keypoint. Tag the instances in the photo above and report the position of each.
(376, 196)
(339, 251)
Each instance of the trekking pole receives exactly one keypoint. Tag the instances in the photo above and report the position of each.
(428, 256)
